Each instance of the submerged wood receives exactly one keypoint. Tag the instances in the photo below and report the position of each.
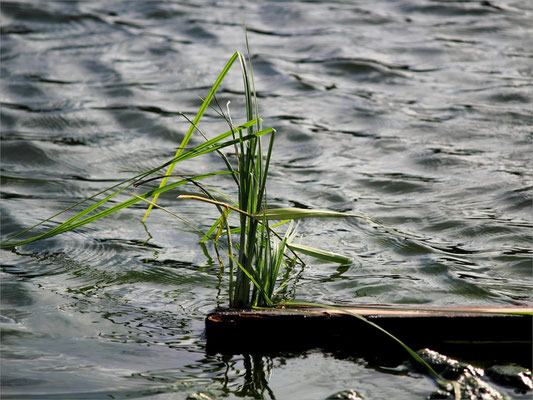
(476, 332)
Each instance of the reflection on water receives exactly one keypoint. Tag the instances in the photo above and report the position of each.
(415, 113)
(257, 371)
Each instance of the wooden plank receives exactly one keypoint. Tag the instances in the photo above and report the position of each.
(381, 310)
(479, 332)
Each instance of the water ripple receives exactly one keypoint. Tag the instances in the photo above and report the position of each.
(414, 113)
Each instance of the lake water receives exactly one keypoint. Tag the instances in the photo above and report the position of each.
(416, 113)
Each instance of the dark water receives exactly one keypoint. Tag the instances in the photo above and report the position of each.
(415, 113)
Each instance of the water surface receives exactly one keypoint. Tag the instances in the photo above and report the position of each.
(415, 113)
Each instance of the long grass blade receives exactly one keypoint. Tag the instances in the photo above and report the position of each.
(204, 148)
(298, 213)
(411, 352)
(320, 254)
(254, 91)
(78, 220)
(196, 120)
(196, 229)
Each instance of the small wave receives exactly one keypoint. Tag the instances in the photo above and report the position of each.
(397, 185)
(48, 16)
(364, 69)
(452, 9)
(518, 199)
(24, 153)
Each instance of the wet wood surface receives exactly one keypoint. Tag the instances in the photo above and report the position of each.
(479, 332)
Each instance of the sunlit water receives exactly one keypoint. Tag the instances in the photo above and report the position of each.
(415, 113)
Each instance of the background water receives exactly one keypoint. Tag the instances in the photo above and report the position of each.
(416, 113)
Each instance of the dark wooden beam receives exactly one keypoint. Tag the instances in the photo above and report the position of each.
(475, 332)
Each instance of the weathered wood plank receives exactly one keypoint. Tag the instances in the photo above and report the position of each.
(480, 332)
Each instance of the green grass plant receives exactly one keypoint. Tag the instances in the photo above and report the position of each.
(258, 253)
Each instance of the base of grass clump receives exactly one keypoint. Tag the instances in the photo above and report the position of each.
(501, 333)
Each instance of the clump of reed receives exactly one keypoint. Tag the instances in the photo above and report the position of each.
(255, 252)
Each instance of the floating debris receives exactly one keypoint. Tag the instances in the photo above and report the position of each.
(199, 396)
(346, 395)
